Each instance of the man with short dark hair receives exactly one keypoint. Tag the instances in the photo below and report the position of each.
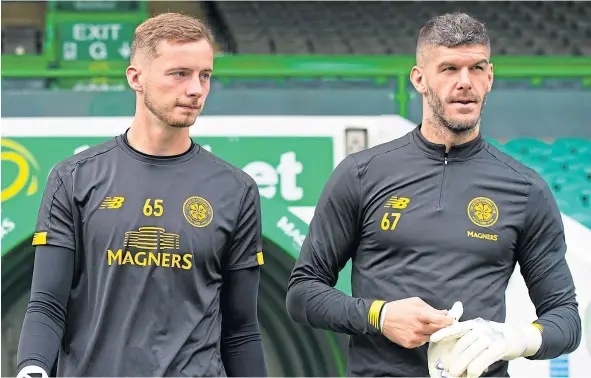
(148, 247)
(436, 217)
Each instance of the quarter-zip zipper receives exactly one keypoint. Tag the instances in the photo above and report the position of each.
(442, 182)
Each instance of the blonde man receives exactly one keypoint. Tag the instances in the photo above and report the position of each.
(148, 247)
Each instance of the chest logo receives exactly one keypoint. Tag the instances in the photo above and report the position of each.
(197, 211)
(390, 220)
(150, 246)
(112, 203)
(152, 238)
(397, 202)
(483, 212)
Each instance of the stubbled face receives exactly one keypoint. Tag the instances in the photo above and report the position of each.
(177, 82)
(454, 83)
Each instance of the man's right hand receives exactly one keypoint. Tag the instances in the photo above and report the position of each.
(409, 322)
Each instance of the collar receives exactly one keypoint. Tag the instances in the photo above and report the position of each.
(158, 160)
(459, 152)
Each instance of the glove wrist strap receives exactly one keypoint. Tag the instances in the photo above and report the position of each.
(533, 338)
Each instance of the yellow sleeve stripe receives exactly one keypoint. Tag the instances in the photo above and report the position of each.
(260, 258)
(539, 327)
(373, 317)
(40, 238)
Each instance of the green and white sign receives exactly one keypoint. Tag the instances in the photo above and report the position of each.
(291, 171)
(95, 41)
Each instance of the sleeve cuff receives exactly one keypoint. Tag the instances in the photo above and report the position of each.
(374, 314)
(257, 261)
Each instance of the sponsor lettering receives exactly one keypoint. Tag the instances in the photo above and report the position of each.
(161, 259)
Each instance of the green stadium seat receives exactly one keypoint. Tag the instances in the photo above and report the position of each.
(565, 161)
(586, 173)
(579, 167)
(578, 197)
(573, 145)
(539, 165)
(528, 146)
(559, 181)
(561, 163)
(564, 206)
(543, 155)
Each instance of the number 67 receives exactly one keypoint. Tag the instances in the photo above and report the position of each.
(390, 225)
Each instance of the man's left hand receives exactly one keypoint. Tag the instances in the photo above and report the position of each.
(476, 344)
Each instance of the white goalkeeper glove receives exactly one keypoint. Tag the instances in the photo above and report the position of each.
(32, 372)
(476, 344)
(438, 352)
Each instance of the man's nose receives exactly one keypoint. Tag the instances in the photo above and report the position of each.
(195, 88)
(464, 81)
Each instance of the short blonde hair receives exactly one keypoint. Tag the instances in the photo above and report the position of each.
(172, 27)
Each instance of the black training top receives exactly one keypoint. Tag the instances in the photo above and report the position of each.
(152, 240)
(419, 222)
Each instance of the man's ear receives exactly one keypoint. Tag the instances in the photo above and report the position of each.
(491, 76)
(133, 74)
(417, 79)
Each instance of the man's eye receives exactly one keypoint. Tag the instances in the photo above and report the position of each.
(180, 74)
(206, 75)
(449, 69)
(478, 68)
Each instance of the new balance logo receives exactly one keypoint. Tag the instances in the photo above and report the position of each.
(397, 202)
(112, 203)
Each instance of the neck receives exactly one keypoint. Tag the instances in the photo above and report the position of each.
(157, 139)
(436, 133)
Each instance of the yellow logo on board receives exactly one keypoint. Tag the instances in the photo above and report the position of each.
(197, 211)
(483, 212)
(27, 166)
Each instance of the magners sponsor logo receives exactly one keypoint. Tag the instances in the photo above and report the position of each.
(147, 246)
(481, 235)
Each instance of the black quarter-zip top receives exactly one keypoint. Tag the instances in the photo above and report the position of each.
(417, 221)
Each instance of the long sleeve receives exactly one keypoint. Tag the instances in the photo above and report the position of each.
(45, 318)
(54, 241)
(332, 239)
(242, 346)
(541, 256)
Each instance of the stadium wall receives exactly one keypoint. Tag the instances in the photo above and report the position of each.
(514, 107)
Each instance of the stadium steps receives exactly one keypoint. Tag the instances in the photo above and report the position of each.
(22, 27)
(22, 40)
(191, 8)
(565, 164)
(372, 27)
